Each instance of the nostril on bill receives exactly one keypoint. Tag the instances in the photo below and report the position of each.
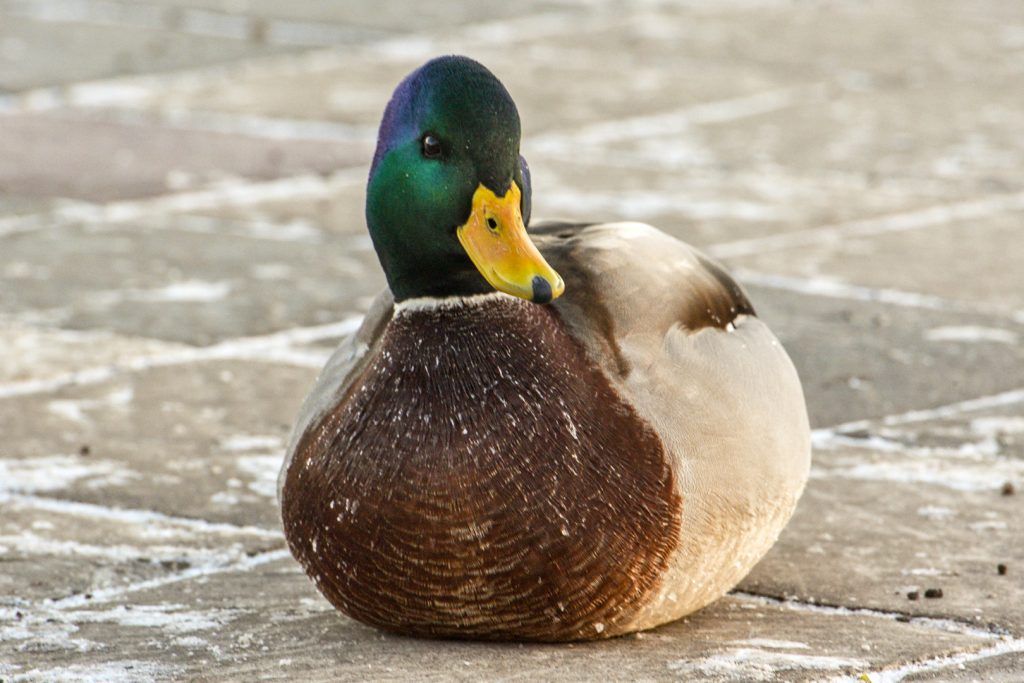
(541, 290)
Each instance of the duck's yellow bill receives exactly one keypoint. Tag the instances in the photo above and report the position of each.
(496, 241)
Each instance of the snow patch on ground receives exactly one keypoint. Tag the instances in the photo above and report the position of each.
(264, 469)
(985, 476)
(997, 425)
(642, 205)
(250, 442)
(187, 291)
(971, 333)
(74, 410)
(923, 571)
(190, 642)
(121, 671)
(936, 512)
(30, 634)
(29, 543)
(56, 472)
(169, 618)
(775, 644)
(746, 664)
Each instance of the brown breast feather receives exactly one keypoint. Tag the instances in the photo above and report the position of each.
(482, 479)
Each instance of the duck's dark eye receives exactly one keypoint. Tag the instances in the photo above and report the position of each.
(431, 146)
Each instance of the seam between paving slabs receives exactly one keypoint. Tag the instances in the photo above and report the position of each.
(272, 348)
(304, 186)
(930, 216)
(897, 672)
(103, 595)
(832, 289)
(194, 21)
(135, 515)
(1003, 398)
(1002, 641)
(935, 622)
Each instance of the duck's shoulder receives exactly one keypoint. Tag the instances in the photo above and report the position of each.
(342, 372)
(632, 280)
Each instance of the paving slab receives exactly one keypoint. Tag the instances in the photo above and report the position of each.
(925, 108)
(708, 205)
(340, 212)
(673, 58)
(861, 359)
(54, 551)
(36, 355)
(941, 136)
(354, 86)
(13, 207)
(90, 51)
(970, 262)
(198, 284)
(65, 155)
(393, 15)
(894, 510)
(270, 623)
(202, 440)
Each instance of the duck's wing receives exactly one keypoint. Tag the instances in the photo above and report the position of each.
(676, 334)
(630, 280)
(341, 370)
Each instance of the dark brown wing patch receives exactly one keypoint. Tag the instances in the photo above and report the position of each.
(483, 481)
(732, 300)
(713, 299)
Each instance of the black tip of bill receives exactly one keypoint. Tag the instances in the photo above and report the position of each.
(541, 290)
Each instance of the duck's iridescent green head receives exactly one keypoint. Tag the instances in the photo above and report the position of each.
(449, 195)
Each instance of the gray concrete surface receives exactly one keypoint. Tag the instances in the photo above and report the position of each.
(181, 245)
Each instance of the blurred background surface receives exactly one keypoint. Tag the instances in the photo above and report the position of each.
(182, 243)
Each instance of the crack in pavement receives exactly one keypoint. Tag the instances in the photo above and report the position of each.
(939, 622)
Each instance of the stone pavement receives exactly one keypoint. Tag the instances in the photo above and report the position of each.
(181, 245)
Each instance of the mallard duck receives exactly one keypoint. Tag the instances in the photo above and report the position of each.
(564, 433)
